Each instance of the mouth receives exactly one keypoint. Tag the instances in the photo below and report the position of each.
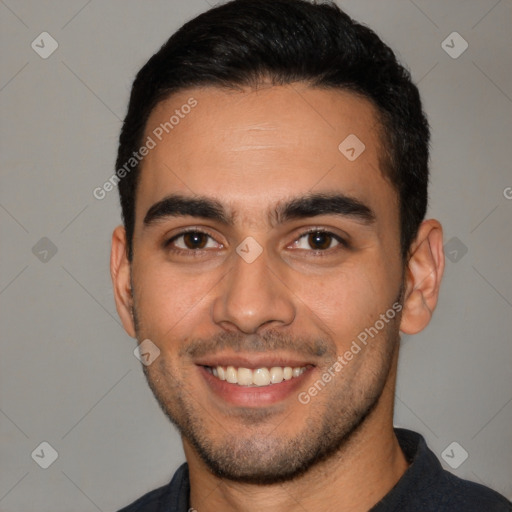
(257, 377)
(254, 382)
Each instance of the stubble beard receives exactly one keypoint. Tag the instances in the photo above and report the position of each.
(264, 459)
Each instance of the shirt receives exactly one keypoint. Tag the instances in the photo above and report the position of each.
(424, 487)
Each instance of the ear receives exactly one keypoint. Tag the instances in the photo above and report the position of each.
(120, 273)
(423, 277)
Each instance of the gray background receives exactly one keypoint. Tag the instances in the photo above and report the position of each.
(68, 374)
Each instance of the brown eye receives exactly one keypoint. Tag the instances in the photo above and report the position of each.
(192, 241)
(195, 240)
(320, 240)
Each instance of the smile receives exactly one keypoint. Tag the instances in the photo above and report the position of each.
(257, 377)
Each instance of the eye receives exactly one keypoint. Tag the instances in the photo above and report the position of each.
(318, 240)
(191, 241)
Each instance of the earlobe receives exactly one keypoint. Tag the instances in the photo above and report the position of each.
(120, 273)
(423, 277)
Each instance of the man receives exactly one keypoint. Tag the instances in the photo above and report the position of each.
(273, 171)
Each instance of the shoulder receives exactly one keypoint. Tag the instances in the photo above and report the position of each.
(427, 486)
(150, 502)
(172, 497)
(454, 493)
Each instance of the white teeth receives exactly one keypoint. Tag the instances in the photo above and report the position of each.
(276, 374)
(259, 377)
(231, 375)
(244, 376)
(296, 371)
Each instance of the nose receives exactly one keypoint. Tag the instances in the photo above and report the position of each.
(251, 296)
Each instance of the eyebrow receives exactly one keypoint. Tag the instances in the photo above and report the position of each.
(313, 205)
(310, 205)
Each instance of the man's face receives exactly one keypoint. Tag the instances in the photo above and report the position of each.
(321, 264)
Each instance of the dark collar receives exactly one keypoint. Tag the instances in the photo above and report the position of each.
(423, 471)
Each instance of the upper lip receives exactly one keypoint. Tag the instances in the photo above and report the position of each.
(252, 361)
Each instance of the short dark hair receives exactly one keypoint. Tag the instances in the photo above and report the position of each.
(244, 43)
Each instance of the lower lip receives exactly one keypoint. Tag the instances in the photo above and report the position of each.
(254, 396)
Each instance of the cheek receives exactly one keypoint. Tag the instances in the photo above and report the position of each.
(169, 301)
(350, 299)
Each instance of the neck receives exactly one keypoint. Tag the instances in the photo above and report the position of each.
(353, 479)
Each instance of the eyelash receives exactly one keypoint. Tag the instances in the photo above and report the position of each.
(324, 252)
(167, 244)
(318, 252)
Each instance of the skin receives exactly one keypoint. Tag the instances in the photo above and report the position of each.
(253, 150)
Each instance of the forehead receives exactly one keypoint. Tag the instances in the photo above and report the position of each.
(254, 148)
